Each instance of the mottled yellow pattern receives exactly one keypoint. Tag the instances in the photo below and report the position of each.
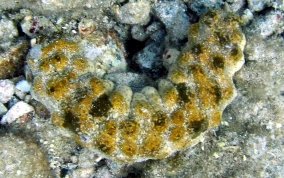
(153, 123)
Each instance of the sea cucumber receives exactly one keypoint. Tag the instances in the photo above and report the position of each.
(153, 123)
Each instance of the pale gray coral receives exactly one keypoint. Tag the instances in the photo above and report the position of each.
(174, 17)
(266, 25)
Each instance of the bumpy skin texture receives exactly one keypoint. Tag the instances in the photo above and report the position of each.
(153, 123)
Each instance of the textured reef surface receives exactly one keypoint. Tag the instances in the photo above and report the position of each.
(155, 122)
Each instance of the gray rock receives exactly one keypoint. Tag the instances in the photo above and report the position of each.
(235, 5)
(149, 59)
(7, 90)
(247, 16)
(8, 30)
(156, 32)
(138, 33)
(257, 5)
(23, 86)
(38, 25)
(174, 17)
(266, 25)
(133, 12)
(200, 6)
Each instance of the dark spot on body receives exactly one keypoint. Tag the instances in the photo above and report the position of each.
(198, 49)
(218, 93)
(219, 62)
(100, 106)
(184, 93)
(71, 121)
(196, 127)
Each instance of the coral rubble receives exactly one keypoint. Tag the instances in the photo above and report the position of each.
(129, 126)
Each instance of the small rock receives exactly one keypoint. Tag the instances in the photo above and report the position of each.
(266, 25)
(138, 33)
(247, 16)
(37, 25)
(8, 30)
(28, 98)
(134, 12)
(235, 5)
(174, 17)
(86, 26)
(3, 109)
(201, 6)
(170, 56)
(7, 90)
(148, 59)
(18, 110)
(156, 31)
(23, 86)
(257, 5)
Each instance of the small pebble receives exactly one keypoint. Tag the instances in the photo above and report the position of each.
(34, 26)
(134, 12)
(18, 110)
(28, 98)
(23, 86)
(8, 30)
(247, 16)
(170, 56)
(138, 33)
(7, 90)
(86, 26)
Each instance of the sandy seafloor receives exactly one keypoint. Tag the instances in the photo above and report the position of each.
(249, 142)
